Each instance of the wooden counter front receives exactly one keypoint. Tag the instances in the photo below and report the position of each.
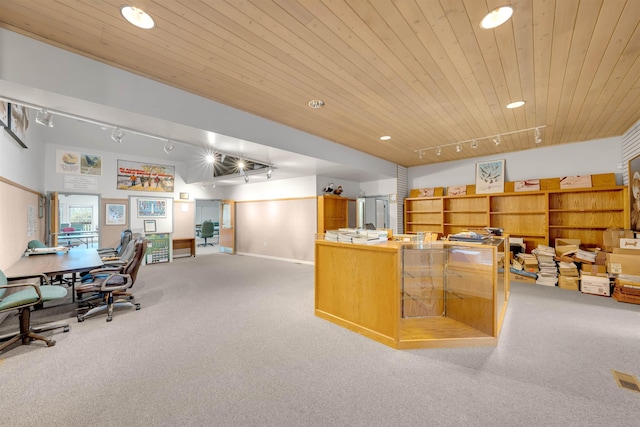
(360, 287)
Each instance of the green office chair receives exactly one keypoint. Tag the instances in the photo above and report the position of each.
(22, 297)
(207, 232)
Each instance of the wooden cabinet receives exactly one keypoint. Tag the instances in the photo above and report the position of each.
(539, 217)
(403, 296)
(332, 213)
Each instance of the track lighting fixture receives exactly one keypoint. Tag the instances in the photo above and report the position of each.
(496, 139)
(44, 118)
(168, 147)
(246, 178)
(269, 172)
(117, 134)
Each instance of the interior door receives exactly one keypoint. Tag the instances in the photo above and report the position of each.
(227, 227)
(54, 218)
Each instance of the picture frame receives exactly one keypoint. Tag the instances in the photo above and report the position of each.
(526, 185)
(4, 114)
(140, 176)
(152, 208)
(634, 192)
(184, 196)
(115, 214)
(18, 123)
(577, 181)
(490, 177)
(149, 225)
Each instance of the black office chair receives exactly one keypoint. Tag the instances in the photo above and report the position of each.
(23, 297)
(207, 232)
(125, 238)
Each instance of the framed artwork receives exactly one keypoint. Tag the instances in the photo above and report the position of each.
(4, 114)
(139, 176)
(115, 214)
(457, 190)
(18, 123)
(634, 192)
(149, 225)
(426, 192)
(490, 177)
(578, 181)
(527, 185)
(152, 208)
(184, 196)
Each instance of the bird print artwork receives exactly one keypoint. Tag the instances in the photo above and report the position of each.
(490, 177)
(91, 164)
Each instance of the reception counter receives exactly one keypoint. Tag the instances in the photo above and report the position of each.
(410, 295)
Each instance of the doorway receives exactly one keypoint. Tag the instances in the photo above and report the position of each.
(373, 210)
(78, 221)
(207, 210)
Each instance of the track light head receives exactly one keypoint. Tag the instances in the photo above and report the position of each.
(538, 138)
(269, 172)
(496, 140)
(117, 134)
(246, 178)
(474, 144)
(438, 151)
(44, 118)
(458, 148)
(168, 147)
(420, 154)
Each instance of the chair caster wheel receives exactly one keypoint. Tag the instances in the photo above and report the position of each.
(109, 318)
(80, 319)
(65, 329)
(137, 306)
(51, 343)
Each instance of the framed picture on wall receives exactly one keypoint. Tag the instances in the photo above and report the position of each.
(154, 208)
(115, 214)
(4, 114)
(149, 225)
(634, 192)
(18, 123)
(490, 177)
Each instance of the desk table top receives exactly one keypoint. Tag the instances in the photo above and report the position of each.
(73, 261)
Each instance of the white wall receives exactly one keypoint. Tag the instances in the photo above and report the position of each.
(586, 158)
(20, 165)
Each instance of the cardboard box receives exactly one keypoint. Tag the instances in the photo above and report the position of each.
(596, 285)
(594, 269)
(520, 278)
(631, 244)
(623, 264)
(567, 282)
(611, 238)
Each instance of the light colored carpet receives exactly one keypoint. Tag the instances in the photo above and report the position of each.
(232, 341)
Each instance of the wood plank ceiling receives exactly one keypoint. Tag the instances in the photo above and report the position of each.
(421, 71)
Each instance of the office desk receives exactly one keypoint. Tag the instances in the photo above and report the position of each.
(186, 243)
(73, 261)
(84, 237)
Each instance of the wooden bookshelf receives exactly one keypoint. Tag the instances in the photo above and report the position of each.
(539, 217)
(332, 212)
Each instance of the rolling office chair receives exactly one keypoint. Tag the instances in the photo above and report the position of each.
(125, 237)
(22, 299)
(207, 232)
(106, 284)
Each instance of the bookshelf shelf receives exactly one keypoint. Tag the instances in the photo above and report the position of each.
(538, 216)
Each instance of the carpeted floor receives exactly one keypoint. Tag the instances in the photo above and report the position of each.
(232, 341)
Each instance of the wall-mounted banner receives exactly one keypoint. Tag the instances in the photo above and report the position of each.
(145, 176)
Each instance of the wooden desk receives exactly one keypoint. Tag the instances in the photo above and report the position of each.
(74, 261)
(185, 243)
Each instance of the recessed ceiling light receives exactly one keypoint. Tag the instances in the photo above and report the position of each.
(137, 17)
(385, 138)
(515, 104)
(496, 17)
(316, 103)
